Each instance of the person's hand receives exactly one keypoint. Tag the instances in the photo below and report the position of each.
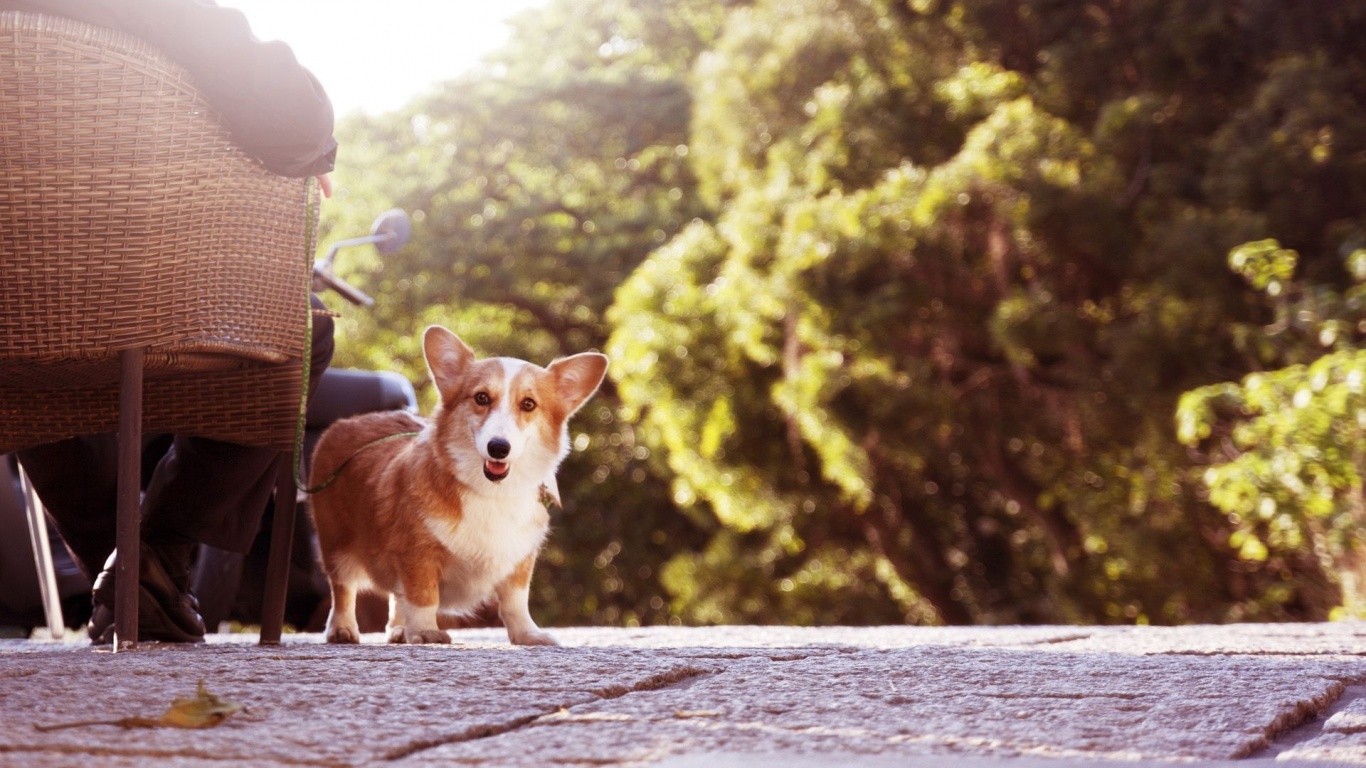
(324, 184)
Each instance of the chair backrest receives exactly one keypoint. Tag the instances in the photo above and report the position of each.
(128, 218)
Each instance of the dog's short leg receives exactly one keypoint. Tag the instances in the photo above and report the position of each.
(341, 620)
(418, 625)
(416, 607)
(395, 628)
(512, 607)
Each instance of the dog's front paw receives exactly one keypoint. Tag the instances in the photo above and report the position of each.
(344, 635)
(430, 636)
(419, 637)
(532, 637)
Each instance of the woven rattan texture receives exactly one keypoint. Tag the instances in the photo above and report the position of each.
(128, 218)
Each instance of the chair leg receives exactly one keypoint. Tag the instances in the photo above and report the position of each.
(127, 538)
(281, 546)
(42, 556)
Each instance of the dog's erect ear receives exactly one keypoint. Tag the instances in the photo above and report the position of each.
(577, 377)
(447, 359)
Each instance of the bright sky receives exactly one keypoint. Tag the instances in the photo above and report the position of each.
(375, 55)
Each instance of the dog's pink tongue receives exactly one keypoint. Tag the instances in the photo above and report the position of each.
(496, 468)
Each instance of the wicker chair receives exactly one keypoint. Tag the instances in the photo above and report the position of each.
(152, 276)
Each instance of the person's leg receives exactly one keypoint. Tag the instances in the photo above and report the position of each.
(77, 480)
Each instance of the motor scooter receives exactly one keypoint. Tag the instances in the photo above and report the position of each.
(228, 585)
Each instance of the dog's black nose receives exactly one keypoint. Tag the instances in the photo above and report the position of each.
(499, 448)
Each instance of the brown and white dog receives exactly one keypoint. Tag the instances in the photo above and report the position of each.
(454, 515)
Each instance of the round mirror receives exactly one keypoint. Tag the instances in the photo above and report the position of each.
(392, 229)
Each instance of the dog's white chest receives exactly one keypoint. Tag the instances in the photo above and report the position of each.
(493, 536)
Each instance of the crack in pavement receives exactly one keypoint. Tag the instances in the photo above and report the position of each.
(473, 733)
(680, 677)
(1053, 640)
(674, 678)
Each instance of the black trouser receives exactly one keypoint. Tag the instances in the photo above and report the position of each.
(205, 490)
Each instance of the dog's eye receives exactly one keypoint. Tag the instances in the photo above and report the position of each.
(528, 405)
(482, 398)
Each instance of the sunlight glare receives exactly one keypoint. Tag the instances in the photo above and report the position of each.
(376, 55)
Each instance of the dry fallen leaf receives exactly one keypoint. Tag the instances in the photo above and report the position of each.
(203, 710)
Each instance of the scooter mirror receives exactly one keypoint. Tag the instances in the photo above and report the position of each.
(391, 231)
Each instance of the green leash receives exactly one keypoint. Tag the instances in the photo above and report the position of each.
(310, 249)
(337, 472)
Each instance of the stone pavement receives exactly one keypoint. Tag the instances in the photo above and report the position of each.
(721, 697)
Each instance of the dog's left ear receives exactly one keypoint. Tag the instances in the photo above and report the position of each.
(447, 359)
(577, 377)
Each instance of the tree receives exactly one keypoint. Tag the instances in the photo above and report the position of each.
(966, 257)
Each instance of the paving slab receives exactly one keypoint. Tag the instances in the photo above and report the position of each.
(1015, 697)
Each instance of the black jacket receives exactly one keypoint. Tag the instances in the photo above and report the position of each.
(275, 109)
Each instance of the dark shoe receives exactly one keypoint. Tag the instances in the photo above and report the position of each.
(167, 612)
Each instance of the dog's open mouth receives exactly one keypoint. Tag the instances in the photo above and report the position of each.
(496, 470)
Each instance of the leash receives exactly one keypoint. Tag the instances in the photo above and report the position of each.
(337, 472)
(310, 251)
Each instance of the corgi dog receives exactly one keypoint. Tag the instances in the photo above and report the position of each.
(447, 513)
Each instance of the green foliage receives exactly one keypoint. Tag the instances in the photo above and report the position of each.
(1264, 265)
(901, 298)
(1287, 447)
